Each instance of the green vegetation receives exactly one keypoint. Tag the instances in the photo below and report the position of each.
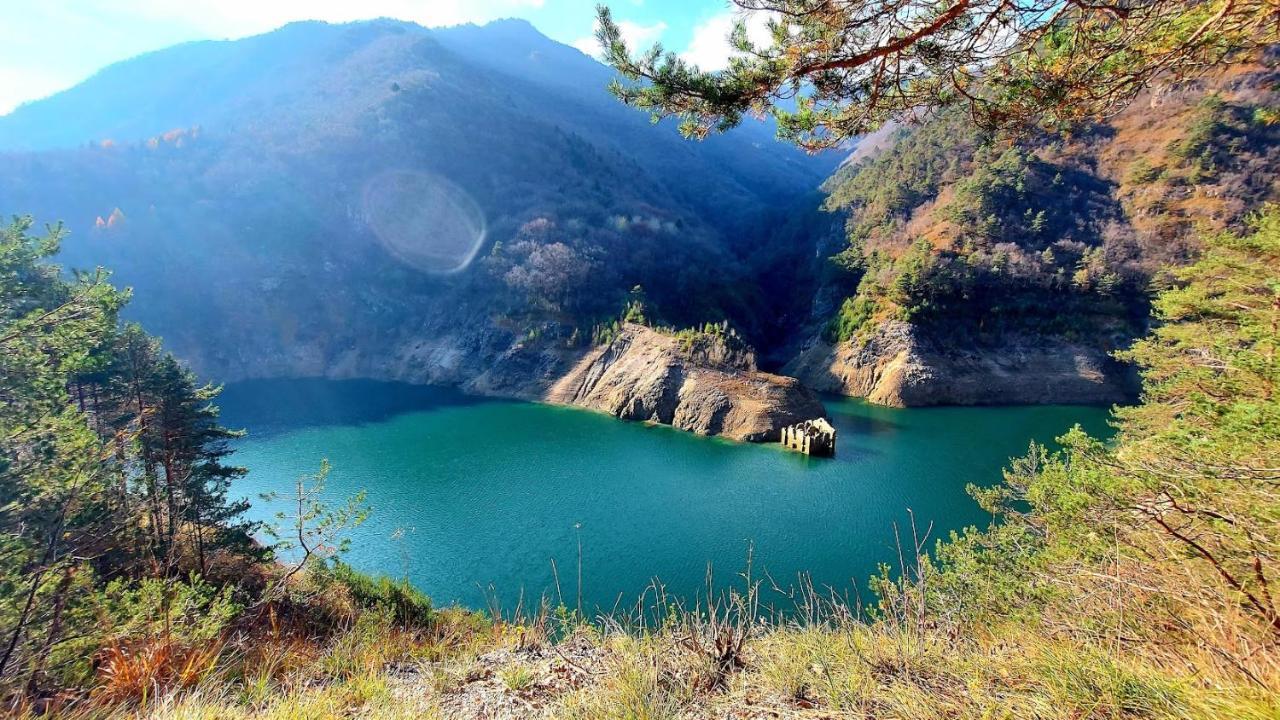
(124, 567)
(1131, 579)
(972, 236)
(831, 72)
(110, 464)
(1218, 133)
(402, 602)
(1015, 244)
(1178, 517)
(854, 315)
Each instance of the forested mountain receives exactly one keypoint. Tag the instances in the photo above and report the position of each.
(469, 205)
(985, 267)
(290, 201)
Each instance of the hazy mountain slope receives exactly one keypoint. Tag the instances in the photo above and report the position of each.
(304, 73)
(241, 192)
(750, 156)
(207, 82)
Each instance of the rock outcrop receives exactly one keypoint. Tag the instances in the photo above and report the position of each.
(898, 366)
(647, 375)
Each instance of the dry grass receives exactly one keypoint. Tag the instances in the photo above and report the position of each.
(1092, 656)
(138, 671)
(833, 670)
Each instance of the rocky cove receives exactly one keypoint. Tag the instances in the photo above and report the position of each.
(699, 384)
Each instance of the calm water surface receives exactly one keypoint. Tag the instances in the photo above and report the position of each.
(472, 498)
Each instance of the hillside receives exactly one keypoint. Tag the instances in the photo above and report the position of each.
(469, 206)
(1007, 268)
(297, 203)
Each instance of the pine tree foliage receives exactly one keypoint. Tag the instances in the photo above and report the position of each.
(111, 459)
(1165, 540)
(835, 69)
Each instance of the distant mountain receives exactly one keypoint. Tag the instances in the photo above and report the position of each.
(312, 78)
(273, 200)
(470, 206)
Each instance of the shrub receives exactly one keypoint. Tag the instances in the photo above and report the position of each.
(854, 313)
(1142, 172)
(190, 613)
(406, 605)
(145, 670)
(164, 634)
(518, 677)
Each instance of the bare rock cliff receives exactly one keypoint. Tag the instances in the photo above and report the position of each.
(651, 376)
(897, 367)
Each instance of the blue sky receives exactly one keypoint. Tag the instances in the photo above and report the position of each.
(50, 45)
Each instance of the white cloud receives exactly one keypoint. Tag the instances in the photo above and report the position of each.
(637, 37)
(709, 48)
(23, 84)
(587, 45)
(641, 36)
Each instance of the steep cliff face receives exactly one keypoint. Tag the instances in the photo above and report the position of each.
(897, 366)
(646, 375)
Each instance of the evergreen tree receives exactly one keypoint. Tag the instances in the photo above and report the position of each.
(112, 459)
(53, 510)
(192, 447)
(831, 71)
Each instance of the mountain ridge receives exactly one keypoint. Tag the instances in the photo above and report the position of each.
(251, 230)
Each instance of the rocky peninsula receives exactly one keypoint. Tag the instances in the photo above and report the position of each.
(698, 384)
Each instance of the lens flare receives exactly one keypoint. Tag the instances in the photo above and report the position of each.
(424, 220)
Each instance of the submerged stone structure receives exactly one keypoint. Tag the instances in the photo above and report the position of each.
(811, 437)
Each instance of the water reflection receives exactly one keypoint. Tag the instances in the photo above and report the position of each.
(277, 406)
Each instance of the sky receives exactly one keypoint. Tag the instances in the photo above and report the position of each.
(50, 45)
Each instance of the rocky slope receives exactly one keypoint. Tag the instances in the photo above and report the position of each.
(647, 375)
(901, 367)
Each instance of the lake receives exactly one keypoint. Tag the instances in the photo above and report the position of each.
(472, 498)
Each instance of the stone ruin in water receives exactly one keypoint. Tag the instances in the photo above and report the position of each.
(811, 437)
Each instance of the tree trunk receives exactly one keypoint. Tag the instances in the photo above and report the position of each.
(55, 629)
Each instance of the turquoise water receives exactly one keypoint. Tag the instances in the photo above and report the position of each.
(472, 498)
